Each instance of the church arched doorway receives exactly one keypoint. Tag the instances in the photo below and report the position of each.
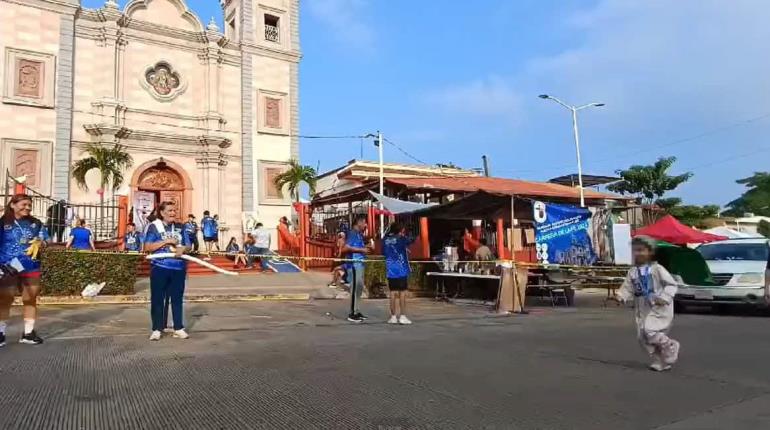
(160, 181)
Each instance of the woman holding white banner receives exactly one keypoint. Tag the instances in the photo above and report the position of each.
(167, 276)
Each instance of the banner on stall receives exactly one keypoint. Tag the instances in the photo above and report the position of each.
(562, 234)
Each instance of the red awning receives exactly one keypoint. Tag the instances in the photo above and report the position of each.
(669, 229)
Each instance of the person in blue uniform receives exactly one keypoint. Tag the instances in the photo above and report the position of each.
(210, 231)
(132, 242)
(19, 229)
(356, 250)
(81, 237)
(395, 247)
(167, 275)
(191, 230)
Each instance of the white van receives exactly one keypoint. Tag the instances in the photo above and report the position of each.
(738, 269)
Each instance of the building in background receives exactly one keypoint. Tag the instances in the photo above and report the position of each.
(209, 115)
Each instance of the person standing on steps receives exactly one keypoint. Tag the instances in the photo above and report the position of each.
(167, 275)
(356, 250)
(210, 233)
(191, 230)
(19, 231)
(395, 247)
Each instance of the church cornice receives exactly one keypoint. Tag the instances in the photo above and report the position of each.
(69, 7)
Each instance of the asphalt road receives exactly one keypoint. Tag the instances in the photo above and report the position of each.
(291, 366)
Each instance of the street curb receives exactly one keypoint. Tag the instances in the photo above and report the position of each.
(130, 300)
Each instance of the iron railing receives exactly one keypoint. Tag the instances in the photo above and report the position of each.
(100, 217)
(272, 33)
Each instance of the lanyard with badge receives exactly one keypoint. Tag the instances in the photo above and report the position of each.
(24, 237)
(643, 288)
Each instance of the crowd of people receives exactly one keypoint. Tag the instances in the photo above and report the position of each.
(648, 284)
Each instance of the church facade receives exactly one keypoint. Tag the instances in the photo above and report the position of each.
(209, 115)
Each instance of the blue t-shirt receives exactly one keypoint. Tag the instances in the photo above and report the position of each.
(15, 241)
(394, 247)
(170, 230)
(81, 238)
(355, 240)
(191, 229)
(133, 241)
(209, 226)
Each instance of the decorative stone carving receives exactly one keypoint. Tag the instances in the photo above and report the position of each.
(271, 191)
(25, 164)
(163, 82)
(272, 112)
(160, 178)
(30, 78)
(162, 79)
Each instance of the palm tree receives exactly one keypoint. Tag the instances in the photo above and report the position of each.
(294, 176)
(110, 161)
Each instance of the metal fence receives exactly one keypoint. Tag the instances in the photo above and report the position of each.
(100, 217)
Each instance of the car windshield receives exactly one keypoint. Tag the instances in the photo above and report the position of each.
(735, 251)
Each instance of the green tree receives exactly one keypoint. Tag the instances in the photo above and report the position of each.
(294, 177)
(110, 161)
(755, 200)
(764, 228)
(694, 215)
(649, 182)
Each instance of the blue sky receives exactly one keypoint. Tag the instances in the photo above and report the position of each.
(450, 83)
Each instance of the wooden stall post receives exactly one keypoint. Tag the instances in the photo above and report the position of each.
(500, 238)
(122, 219)
(424, 238)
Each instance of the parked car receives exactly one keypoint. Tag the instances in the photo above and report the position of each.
(738, 269)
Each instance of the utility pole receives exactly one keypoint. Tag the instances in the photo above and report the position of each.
(574, 110)
(486, 165)
(380, 144)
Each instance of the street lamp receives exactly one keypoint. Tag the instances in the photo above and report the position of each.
(574, 110)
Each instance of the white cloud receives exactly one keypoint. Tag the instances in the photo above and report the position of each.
(345, 21)
(490, 97)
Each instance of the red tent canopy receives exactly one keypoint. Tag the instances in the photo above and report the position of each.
(668, 229)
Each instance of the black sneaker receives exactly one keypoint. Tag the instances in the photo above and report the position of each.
(2, 339)
(361, 316)
(355, 318)
(31, 338)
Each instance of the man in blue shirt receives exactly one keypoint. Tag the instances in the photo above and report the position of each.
(356, 250)
(191, 230)
(395, 247)
(210, 231)
(132, 242)
(81, 238)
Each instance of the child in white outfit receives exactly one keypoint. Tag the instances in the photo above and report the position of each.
(652, 289)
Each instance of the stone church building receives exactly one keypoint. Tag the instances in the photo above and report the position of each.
(209, 115)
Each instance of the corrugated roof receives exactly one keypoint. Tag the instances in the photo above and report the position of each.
(509, 187)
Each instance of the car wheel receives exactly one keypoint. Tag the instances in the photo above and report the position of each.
(679, 307)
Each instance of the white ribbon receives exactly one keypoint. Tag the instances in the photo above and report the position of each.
(192, 259)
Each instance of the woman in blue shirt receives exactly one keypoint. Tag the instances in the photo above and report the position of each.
(19, 229)
(167, 275)
(81, 238)
(395, 248)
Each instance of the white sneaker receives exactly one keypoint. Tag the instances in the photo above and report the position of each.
(181, 334)
(404, 320)
(155, 335)
(657, 366)
(393, 320)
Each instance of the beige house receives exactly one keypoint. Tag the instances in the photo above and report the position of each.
(209, 115)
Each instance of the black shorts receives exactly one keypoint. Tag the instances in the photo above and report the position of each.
(211, 238)
(398, 284)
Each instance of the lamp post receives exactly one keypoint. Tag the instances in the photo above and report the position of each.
(574, 110)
